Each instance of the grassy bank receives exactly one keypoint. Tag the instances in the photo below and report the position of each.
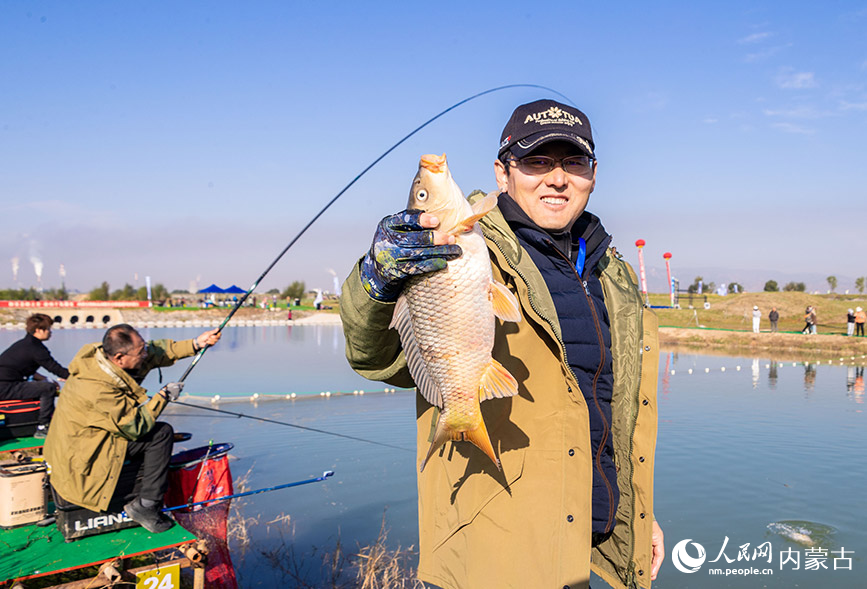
(727, 324)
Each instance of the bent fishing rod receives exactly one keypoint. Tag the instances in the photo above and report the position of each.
(347, 187)
(244, 297)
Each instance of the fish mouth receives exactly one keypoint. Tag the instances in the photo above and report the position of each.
(433, 163)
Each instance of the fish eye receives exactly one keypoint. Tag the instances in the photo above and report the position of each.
(421, 194)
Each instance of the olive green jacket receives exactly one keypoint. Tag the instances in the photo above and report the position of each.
(530, 525)
(101, 408)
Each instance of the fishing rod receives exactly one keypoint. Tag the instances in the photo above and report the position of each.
(286, 423)
(324, 476)
(345, 188)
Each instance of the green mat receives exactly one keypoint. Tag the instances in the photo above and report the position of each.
(20, 444)
(33, 551)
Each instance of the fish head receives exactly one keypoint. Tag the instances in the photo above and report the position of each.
(435, 191)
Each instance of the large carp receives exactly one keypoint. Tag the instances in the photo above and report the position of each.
(446, 319)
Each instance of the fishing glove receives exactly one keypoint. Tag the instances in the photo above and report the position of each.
(401, 248)
(172, 390)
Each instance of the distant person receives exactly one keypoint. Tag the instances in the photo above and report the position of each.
(20, 362)
(860, 319)
(757, 317)
(850, 323)
(809, 318)
(105, 417)
(773, 317)
(813, 321)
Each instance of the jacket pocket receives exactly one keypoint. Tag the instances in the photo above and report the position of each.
(471, 490)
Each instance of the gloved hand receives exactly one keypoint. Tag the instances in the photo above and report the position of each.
(401, 248)
(172, 391)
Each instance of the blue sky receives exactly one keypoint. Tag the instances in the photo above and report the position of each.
(190, 141)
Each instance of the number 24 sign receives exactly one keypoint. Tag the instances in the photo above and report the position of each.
(162, 578)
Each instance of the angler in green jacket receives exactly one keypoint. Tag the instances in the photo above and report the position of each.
(577, 451)
(104, 416)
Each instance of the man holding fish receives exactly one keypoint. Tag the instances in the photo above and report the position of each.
(557, 399)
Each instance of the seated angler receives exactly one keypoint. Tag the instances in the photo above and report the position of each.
(105, 417)
(20, 362)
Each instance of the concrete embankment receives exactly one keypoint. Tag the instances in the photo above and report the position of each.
(180, 318)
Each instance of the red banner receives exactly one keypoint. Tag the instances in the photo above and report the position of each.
(73, 304)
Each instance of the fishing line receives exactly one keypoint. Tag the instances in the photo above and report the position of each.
(345, 188)
(286, 423)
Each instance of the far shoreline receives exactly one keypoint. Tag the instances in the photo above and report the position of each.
(696, 340)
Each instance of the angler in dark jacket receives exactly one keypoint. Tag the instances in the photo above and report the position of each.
(19, 363)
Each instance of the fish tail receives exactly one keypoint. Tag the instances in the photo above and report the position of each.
(479, 436)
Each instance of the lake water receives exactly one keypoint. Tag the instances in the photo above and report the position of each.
(768, 455)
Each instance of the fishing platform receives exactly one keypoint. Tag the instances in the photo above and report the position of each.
(32, 551)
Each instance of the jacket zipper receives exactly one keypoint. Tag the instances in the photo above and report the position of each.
(606, 427)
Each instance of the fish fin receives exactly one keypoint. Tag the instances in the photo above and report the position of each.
(442, 434)
(402, 322)
(481, 207)
(506, 306)
(482, 440)
(497, 382)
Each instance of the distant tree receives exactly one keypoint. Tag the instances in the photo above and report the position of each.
(100, 293)
(772, 286)
(159, 292)
(19, 294)
(273, 291)
(832, 282)
(709, 287)
(734, 287)
(180, 291)
(57, 294)
(859, 284)
(795, 287)
(693, 288)
(294, 290)
(141, 293)
(127, 293)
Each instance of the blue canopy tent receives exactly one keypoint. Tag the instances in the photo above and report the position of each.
(213, 289)
(234, 289)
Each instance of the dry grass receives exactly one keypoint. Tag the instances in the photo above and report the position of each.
(377, 567)
(238, 526)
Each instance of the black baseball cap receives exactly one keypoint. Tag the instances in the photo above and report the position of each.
(542, 121)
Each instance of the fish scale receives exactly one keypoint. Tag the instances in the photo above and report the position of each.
(454, 328)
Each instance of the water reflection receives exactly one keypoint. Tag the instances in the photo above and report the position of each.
(855, 383)
(755, 372)
(772, 375)
(809, 377)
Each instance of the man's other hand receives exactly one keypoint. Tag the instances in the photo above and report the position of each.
(172, 391)
(209, 338)
(657, 539)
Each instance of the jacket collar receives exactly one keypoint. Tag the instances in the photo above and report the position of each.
(588, 226)
(92, 363)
